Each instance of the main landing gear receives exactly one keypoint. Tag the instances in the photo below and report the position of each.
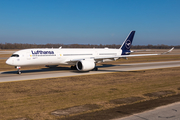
(18, 69)
(95, 69)
(73, 67)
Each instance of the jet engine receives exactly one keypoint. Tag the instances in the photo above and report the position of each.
(85, 65)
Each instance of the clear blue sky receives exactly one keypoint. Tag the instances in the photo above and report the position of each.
(90, 21)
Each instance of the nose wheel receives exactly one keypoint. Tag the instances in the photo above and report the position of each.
(18, 70)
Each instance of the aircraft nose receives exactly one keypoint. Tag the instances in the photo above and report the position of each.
(9, 61)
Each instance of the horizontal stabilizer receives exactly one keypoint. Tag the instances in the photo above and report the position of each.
(168, 51)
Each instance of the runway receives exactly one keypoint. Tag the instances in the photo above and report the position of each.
(7, 52)
(9, 76)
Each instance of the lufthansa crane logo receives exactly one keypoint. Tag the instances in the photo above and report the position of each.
(128, 44)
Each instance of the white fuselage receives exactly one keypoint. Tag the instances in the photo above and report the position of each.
(59, 56)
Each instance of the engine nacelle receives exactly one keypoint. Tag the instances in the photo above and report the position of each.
(85, 65)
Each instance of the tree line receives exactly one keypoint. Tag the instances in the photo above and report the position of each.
(25, 46)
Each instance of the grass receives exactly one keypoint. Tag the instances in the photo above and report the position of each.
(36, 99)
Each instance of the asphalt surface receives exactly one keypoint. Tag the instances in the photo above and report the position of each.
(7, 52)
(8, 76)
(168, 112)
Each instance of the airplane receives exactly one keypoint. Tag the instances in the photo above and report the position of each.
(84, 59)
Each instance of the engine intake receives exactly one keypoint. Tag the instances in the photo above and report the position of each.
(85, 65)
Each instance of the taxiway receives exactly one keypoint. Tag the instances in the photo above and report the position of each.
(9, 76)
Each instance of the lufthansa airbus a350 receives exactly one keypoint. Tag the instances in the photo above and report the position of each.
(80, 59)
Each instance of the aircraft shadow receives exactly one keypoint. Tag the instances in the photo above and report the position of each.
(38, 70)
(110, 65)
(102, 66)
(62, 68)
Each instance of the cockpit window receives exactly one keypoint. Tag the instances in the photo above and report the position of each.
(14, 55)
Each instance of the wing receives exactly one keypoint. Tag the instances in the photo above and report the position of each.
(97, 59)
(124, 56)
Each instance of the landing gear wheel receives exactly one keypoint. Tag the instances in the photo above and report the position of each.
(95, 69)
(19, 72)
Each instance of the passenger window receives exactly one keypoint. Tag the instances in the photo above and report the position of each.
(14, 55)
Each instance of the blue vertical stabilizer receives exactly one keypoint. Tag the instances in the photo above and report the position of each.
(127, 43)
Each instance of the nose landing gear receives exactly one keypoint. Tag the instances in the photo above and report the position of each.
(18, 69)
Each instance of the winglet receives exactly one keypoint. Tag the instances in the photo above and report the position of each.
(168, 51)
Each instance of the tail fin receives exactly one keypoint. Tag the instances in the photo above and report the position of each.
(127, 43)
